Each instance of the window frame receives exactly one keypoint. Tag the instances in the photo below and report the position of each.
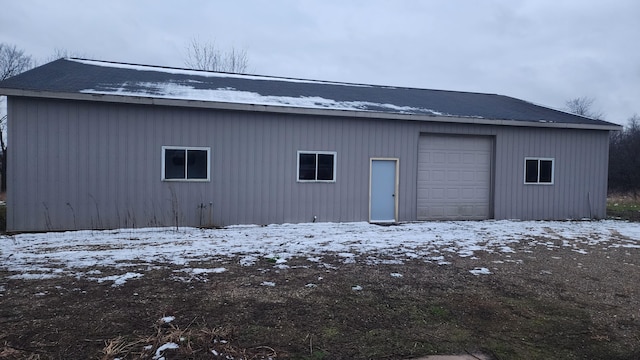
(186, 163)
(539, 161)
(316, 153)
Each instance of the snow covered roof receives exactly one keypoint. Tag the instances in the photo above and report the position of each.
(110, 81)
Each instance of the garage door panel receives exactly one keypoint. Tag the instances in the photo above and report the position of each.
(453, 158)
(437, 212)
(453, 194)
(469, 194)
(438, 158)
(469, 159)
(454, 177)
(437, 193)
(468, 176)
(437, 175)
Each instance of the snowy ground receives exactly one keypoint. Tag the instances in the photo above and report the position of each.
(131, 251)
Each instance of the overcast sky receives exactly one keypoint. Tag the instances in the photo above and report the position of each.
(543, 51)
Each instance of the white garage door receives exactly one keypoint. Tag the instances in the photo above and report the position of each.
(454, 177)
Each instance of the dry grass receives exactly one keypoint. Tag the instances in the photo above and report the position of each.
(623, 206)
(194, 341)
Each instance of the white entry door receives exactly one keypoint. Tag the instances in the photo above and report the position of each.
(383, 199)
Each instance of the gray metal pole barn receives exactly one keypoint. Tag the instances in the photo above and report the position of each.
(92, 152)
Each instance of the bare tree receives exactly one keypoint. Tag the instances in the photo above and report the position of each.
(59, 53)
(583, 106)
(207, 56)
(12, 62)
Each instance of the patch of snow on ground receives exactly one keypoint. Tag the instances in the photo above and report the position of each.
(161, 349)
(45, 255)
(268, 283)
(167, 319)
(480, 271)
(198, 271)
(32, 276)
(119, 280)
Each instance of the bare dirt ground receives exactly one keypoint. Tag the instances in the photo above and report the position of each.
(537, 303)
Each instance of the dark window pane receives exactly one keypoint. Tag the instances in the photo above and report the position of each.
(531, 171)
(307, 167)
(197, 164)
(546, 169)
(174, 164)
(325, 166)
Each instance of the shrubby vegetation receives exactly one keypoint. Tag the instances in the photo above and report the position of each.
(624, 159)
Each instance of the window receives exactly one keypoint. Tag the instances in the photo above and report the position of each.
(316, 166)
(538, 171)
(185, 163)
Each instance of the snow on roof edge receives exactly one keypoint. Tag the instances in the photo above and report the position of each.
(208, 73)
(205, 73)
(185, 92)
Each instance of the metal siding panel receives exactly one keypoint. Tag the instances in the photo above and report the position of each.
(238, 172)
(575, 163)
(502, 191)
(351, 149)
(406, 145)
(262, 180)
(602, 167)
(292, 138)
(221, 171)
(50, 190)
(247, 163)
(569, 165)
(83, 170)
(358, 164)
(273, 186)
(268, 184)
(104, 159)
(16, 130)
(30, 162)
(138, 160)
(35, 174)
(580, 181)
(600, 182)
(13, 109)
(290, 202)
(96, 189)
(286, 169)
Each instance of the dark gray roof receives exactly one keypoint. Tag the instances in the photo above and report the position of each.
(78, 76)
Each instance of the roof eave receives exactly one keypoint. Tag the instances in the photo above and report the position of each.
(144, 100)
